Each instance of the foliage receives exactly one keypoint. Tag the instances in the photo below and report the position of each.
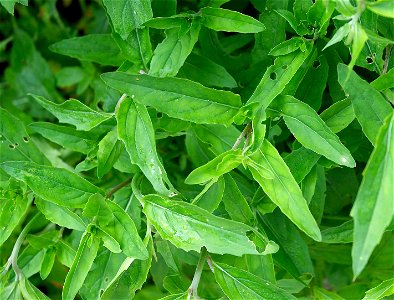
(184, 149)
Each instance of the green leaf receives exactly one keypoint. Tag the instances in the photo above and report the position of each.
(13, 207)
(178, 98)
(240, 284)
(373, 209)
(203, 70)
(220, 165)
(339, 234)
(339, 115)
(170, 55)
(99, 48)
(97, 208)
(60, 215)
(275, 79)
(386, 288)
(287, 47)
(59, 186)
(109, 150)
(339, 35)
(220, 19)
(282, 188)
(384, 8)
(211, 198)
(190, 227)
(130, 277)
(29, 291)
(359, 39)
(74, 112)
(384, 81)
(15, 143)
(323, 294)
(311, 131)
(108, 241)
(86, 253)
(369, 114)
(66, 137)
(136, 131)
(235, 203)
(127, 15)
(47, 263)
(123, 229)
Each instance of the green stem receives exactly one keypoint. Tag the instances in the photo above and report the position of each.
(197, 275)
(118, 187)
(13, 259)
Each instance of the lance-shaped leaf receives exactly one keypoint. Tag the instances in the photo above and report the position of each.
(386, 288)
(239, 284)
(65, 136)
(339, 115)
(220, 19)
(127, 15)
(275, 79)
(99, 48)
(86, 253)
(74, 112)
(15, 143)
(123, 229)
(178, 98)
(311, 131)
(170, 55)
(109, 150)
(369, 105)
(52, 184)
(218, 166)
(135, 129)
(29, 291)
(190, 227)
(282, 188)
(374, 206)
(60, 215)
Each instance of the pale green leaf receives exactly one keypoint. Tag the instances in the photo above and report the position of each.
(339, 115)
(136, 131)
(311, 131)
(53, 184)
(385, 289)
(190, 227)
(369, 105)
(178, 98)
(74, 112)
(282, 189)
(109, 150)
(374, 207)
(384, 8)
(220, 19)
(238, 284)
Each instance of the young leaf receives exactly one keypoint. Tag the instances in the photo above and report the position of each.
(287, 47)
(384, 8)
(190, 227)
(370, 114)
(86, 253)
(373, 209)
(385, 289)
(47, 263)
(220, 165)
(311, 131)
(15, 143)
(136, 131)
(74, 112)
(131, 276)
(240, 284)
(127, 15)
(109, 150)
(170, 55)
(220, 19)
(65, 136)
(211, 199)
(178, 98)
(53, 184)
(60, 215)
(275, 79)
(29, 291)
(339, 234)
(123, 229)
(282, 188)
(339, 115)
(97, 208)
(99, 48)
